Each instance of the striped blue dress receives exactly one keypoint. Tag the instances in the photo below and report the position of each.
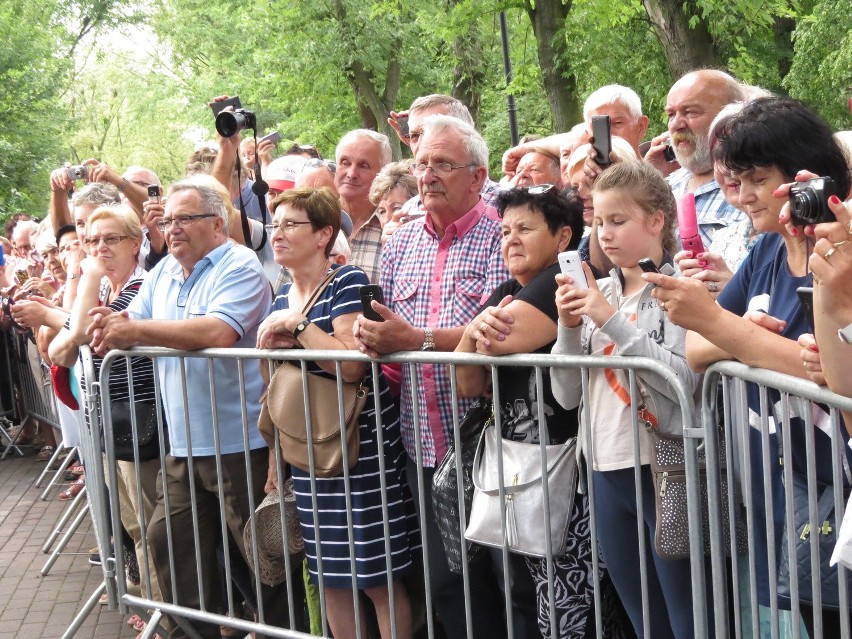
(340, 298)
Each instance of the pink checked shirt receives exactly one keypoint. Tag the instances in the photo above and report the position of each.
(439, 282)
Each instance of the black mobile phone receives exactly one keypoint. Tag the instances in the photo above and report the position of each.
(154, 193)
(602, 139)
(369, 293)
(647, 265)
(668, 152)
(218, 107)
(806, 297)
(402, 121)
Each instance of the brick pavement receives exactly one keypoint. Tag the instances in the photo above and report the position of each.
(33, 606)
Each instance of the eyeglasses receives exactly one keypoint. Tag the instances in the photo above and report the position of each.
(441, 169)
(538, 189)
(328, 164)
(22, 247)
(49, 253)
(287, 227)
(109, 240)
(181, 221)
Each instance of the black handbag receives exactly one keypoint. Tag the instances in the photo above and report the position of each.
(147, 437)
(826, 528)
(445, 482)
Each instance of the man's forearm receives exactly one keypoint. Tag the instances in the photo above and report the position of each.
(184, 335)
(58, 210)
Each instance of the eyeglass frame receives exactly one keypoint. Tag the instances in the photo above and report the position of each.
(329, 165)
(181, 221)
(418, 172)
(288, 226)
(109, 240)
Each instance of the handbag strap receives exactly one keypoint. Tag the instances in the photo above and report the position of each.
(319, 290)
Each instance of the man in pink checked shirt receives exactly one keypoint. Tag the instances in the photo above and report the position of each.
(436, 271)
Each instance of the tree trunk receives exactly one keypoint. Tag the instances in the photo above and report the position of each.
(468, 73)
(548, 19)
(783, 29)
(685, 48)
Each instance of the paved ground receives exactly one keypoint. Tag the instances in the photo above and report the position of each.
(33, 606)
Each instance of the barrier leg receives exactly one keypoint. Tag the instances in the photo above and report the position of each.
(64, 541)
(63, 520)
(57, 477)
(56, 453)
(85, 611)
(152, 625)
(4, 430)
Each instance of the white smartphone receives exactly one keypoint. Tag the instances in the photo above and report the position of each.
(571, 265)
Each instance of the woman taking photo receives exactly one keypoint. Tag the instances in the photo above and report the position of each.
(520, 317)
(758, 318)
(304, 227)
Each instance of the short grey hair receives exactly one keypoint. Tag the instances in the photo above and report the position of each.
(610, 94)
(211, 198)
(453, 106)
(97, 194)
(359, 134)
(475, 145)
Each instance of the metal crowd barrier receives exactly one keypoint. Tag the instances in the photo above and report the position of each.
(754, 441)
(98, 398)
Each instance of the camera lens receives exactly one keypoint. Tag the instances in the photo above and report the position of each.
(229, 123)
(805, 206)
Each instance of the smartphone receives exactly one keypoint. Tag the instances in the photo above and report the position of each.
(22, 275)
(806, 297)
(369, 293)
(647, 265)
(687, 224)
(273, 137)
(154, 193)
(218, 107)
(571, 264)
(602, 139)
(668, 152)
(402, 122)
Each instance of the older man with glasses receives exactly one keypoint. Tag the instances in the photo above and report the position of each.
(435, 272)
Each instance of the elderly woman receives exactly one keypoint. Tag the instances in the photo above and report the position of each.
(111, 276)
(392, 188)
(304, 227)
(538, 224)
(757, 318)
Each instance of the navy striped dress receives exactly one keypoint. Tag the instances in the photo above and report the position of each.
(340, 298)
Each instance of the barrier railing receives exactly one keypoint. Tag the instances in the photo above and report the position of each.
(179, 550)
(779, 432)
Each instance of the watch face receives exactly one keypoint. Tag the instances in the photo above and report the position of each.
(845, 334)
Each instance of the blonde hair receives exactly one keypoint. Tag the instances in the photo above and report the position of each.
(647, 187)
(125, 216)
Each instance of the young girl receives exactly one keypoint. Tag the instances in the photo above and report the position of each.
(634, 216)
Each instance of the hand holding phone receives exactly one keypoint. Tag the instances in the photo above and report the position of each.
(687, 224)
(806, 297)
(218, 106)
(571, 264)
(273, 137)
(369, 293)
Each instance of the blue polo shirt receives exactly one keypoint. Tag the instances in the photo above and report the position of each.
(228, 284)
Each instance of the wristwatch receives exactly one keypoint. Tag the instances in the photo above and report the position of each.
(845, 334)
(428, 340)
(75, 276)
(301, 326)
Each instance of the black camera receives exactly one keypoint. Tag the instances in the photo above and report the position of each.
(809, 201)
(78, 172)
(229, 123)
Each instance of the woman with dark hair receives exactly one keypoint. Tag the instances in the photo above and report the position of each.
(538, 223)
(758, 318)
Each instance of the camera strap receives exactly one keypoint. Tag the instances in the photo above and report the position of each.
(260, 189)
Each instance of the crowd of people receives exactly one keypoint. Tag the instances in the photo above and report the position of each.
(467, 264)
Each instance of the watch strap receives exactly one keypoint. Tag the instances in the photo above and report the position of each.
(845, 334)
(300, 327)
(428, 340)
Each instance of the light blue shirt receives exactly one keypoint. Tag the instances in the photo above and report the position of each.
(228, 284)
(712, 209)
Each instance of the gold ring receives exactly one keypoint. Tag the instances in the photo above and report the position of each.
(829, 253)
(483, 327)
(839, 244)
(663, 306)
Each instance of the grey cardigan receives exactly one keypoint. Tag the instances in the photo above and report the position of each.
(653, 336)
